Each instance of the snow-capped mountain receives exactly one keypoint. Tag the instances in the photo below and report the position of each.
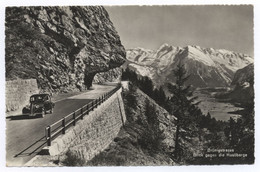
(207, 67)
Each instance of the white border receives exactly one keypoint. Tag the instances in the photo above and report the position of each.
(222, 168)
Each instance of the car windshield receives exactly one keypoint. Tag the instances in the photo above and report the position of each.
(39, 98)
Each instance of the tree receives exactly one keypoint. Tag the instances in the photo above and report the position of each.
(241, 137)
(146, 85)
(161, 96)
(182, 103)
(152, 135)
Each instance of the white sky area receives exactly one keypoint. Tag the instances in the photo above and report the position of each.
(181, 28)
(212, 26)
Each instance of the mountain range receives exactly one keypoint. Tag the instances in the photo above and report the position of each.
(207, 67)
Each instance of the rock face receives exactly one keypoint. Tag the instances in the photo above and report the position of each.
(243, 75)
(62, 47)
(113, 75)
(208, 67)
(243, 85)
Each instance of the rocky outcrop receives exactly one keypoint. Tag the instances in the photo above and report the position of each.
(208, 67)
(243, 75)
(113, 75)
(243, 85)
(62, 47)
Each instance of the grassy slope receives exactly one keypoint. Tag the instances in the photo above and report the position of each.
(126, 151)
(131, 147)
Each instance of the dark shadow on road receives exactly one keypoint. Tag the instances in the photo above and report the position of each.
(22, 117)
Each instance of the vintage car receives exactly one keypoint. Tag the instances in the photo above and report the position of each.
(40, 104)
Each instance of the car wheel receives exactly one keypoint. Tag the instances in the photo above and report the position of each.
(51, 111)
(24, 110)
(43, 113)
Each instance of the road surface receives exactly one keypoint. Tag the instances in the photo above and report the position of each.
(25, 134)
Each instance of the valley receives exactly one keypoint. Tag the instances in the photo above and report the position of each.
(217, 108)
(211, 72)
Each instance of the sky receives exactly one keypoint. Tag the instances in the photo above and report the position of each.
(219, 27)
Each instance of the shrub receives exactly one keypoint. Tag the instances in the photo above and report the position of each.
(73, 160)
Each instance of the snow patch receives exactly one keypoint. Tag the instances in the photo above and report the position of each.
(223, 51)
(142, 70)
(199, 56)
(201, 77)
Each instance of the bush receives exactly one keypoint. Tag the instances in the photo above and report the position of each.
(73, 160)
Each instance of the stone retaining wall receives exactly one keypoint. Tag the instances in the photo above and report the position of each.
(94, 133)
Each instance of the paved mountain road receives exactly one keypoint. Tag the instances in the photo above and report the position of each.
(22, 131)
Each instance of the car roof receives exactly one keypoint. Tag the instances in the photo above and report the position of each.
(39, 95)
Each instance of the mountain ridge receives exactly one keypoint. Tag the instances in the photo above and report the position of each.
(208, 67)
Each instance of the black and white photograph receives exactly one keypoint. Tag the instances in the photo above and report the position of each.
(129, 85)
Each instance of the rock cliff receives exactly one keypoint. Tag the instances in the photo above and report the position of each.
(62, 47)
(243, 85)
(243, 75)
(113, 75)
